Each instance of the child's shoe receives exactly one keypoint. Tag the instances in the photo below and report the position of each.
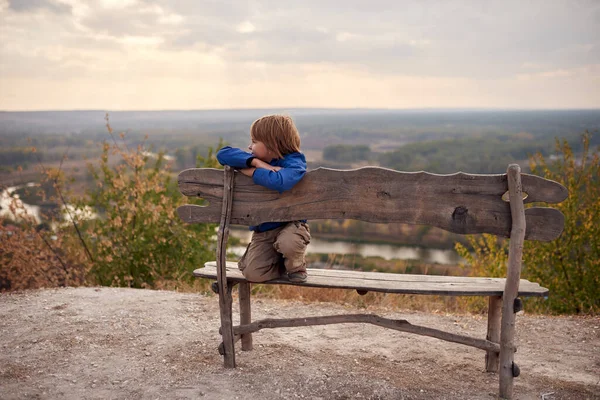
(298, 277)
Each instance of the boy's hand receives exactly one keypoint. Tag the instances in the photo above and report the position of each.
(250, 171)
(261, 164)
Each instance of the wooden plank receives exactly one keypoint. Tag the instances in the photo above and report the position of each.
(225, 300)
(414, 284)
(544, 224)
(334, 274)
(513, 275)
(399, 325)
(206, 183)
(460, 203)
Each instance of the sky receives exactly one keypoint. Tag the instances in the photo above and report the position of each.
(224, 54)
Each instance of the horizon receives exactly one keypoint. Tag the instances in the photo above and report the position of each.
(284, 109)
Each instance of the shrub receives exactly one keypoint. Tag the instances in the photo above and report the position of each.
(31, 256)
(123, 232)
(570, 265)
(138, 240)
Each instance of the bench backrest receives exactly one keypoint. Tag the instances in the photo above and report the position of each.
(460, 203)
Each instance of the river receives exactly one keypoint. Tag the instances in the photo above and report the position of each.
(8, 197)
(386, 251)
(22, 210)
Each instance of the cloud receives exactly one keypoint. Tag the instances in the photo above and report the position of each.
(264, 42)
(483, 40)
(31, 5)
(590, 71)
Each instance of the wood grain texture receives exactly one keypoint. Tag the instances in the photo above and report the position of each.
(396, 324)
(493, 332)
(245, 313)
(225, 299)
(390, 283)
(513, 276)
(460, 203)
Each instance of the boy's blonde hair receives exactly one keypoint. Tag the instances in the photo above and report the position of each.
(278, 133)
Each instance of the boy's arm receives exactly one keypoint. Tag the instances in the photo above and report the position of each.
(283, 179)
(256, 163)
(236, 158)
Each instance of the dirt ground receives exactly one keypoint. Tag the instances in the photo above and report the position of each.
(100, 343)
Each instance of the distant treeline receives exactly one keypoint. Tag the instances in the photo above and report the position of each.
(474, 155)
(346, 154)
(443, 141)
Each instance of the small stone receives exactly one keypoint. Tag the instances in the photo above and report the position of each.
(147, 353)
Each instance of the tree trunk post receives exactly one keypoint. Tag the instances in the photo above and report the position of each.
(493, 332)
(513, 276)
(225, 299)
(245, 314)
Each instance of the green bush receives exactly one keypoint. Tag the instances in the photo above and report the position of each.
(570, 265)
(138, 240)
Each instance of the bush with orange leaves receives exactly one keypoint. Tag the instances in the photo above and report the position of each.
(123, 232)
(32, 257)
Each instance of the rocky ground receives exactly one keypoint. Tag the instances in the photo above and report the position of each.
(100, 343)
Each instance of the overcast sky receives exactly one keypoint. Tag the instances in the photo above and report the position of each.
(209, 54)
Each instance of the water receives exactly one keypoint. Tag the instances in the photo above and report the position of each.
(386, 251)
(22, 210)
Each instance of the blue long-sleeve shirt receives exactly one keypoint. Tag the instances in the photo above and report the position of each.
(293, 168)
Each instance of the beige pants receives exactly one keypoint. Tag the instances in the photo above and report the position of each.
(274, 252)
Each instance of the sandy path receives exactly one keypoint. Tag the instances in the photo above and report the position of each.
(98, 343)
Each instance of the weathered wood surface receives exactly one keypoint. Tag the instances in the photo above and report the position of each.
(460, 203)
(225, 299)
(245, 313)
(513, 276)
(493, 332)
(391, 283)
(396, 324)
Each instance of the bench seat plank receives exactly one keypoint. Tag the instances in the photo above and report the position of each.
(390, 283)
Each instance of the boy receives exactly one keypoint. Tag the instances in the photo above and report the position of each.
(275, 162)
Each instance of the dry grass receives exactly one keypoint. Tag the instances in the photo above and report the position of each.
(346, 297)
(369, 300)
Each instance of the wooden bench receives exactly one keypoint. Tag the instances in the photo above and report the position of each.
(460, 203)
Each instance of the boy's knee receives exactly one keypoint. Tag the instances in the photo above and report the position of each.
(292, 241)
(292, 248)
(263, 273)
(256, 276)
(252, 276)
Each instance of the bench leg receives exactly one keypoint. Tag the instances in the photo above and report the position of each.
(508, 370)
(245, 314)
(493, 332)
(225, 306)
